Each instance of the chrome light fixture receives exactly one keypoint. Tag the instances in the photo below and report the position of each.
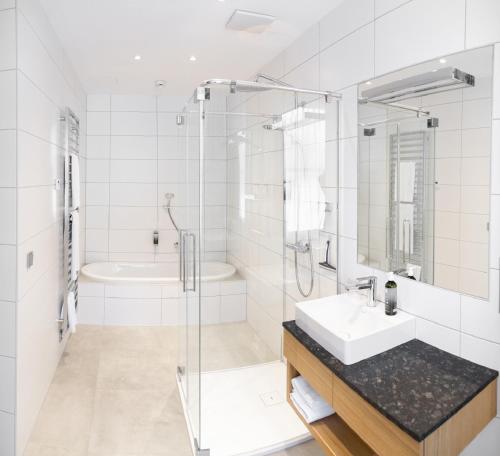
(435, 81)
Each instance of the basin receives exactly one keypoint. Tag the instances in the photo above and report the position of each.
(349, 329)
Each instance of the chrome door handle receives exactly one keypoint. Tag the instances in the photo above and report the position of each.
(193, 237)
(183, 244)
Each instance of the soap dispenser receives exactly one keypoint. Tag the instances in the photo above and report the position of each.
(391, 295)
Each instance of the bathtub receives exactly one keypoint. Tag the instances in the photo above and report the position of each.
(151, 294)
(152, 272)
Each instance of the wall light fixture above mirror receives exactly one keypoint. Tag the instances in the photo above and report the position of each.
(424, 153)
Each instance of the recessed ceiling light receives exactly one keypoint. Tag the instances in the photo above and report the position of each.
(442, 60)
(160, 83)
(137, 57)
(368, 82)
(192, 58)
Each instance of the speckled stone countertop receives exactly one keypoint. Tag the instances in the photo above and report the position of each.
(415, 385)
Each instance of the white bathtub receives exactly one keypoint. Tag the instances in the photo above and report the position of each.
(152, 272)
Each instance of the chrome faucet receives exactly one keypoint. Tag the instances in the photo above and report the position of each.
(367, 283)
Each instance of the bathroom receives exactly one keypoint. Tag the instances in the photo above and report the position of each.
(202, 202)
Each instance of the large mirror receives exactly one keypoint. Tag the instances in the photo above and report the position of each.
(424, 171)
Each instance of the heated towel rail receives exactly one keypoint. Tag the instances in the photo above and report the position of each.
(71, 148)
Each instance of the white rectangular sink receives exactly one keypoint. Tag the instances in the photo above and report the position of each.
(349, 329)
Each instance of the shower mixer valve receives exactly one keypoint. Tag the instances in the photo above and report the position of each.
(300, 246)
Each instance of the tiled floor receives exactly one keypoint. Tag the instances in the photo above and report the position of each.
(115, 393)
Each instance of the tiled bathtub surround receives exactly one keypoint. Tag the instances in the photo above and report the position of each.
(154, 305)
(37, 83)
(341, 48)
(136, 154)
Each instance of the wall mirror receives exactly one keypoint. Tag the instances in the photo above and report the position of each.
(424, 171)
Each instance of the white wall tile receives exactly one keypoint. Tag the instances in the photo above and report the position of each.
(132, 218)
(496, 83)
(172, 103)
(97, 240)
(37, 210)
(98, 147)
(167, 125)
(6, 4)
(482, 352)
(8, 211)
(444, 338)
(133, 194)
(120, 311)
(97, 194)
(134, 147)
(483, 17)
(233, 308)
(88, 288)
(143, 103)
(39, 162)
(133, 123)
(432, 303)
(7, 39)
(8, 97)
(98, 123)
(495, 158)
(481, 317)
(97, 171)
(399, 40)
(345, 19)
(131, 241)
(354, 54)
(7, 434)
(348, 216)
(133, 171)
(170, 312)
(133, 291)
(7, 328)
(8, 158)
(8, 390)
(97, 217)
(90, 310)
(232, 287)
(98, 102)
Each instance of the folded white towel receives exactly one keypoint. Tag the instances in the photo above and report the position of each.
(75, 181)
(312, 398)
(310, 414)
(75, 244)
(72, 318)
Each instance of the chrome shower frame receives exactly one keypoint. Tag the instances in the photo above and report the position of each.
(202, 94)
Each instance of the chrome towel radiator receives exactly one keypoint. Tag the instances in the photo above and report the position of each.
(71, 147)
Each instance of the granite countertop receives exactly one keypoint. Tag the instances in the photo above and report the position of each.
(415, 385)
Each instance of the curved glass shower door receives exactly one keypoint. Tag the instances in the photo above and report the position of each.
(189, 359)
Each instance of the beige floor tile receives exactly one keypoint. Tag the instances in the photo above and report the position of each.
(114, 392)
(137, 422)
(65, 418)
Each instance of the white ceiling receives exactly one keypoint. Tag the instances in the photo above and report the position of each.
(101, 38)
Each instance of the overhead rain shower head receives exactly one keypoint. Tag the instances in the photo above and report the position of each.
(428, 83)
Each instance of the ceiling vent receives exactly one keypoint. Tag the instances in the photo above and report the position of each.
(248, 21)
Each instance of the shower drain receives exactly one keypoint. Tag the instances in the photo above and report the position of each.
(272, 398)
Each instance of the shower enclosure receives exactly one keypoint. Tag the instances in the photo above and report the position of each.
(262, 156)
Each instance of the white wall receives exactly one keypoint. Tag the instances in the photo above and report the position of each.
(36, 84)
(8, 235)
(135, 156)
(362, 39)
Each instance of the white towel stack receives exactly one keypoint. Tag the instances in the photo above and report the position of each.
(72, 318)
(75, 243)
(308, 402)
(75, 181)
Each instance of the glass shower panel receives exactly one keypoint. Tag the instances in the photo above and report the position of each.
(190, 269)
